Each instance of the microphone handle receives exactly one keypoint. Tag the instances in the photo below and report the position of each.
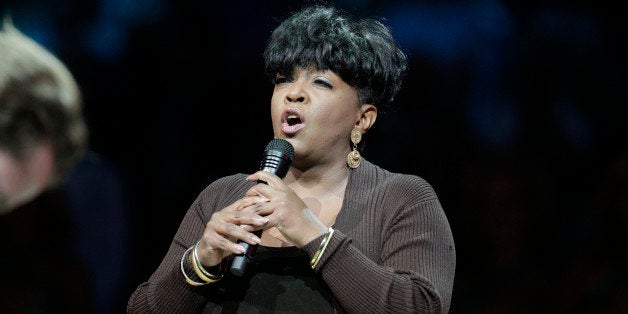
(241, 261)
(278, 156)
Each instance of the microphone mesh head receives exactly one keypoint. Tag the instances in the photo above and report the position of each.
(281, 145)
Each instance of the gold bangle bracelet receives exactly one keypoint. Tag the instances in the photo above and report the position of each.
(198, 267)
(321, 248)
(187, 278)
(199, 273)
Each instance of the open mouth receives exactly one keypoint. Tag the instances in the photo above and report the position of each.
(292, 121)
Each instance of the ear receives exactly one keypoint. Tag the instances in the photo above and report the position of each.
(368, 115)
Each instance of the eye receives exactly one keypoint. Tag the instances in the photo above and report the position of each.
(323, 82)
(280, 79)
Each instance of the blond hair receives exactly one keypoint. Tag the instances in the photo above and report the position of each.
(40, 100)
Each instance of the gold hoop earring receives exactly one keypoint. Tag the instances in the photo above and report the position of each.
(354, 158)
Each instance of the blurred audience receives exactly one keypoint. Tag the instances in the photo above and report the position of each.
(63, 211)
(42, 131)
(42, 136)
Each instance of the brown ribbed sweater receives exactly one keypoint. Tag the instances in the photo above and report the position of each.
(392, 250)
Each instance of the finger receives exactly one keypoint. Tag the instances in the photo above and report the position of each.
(225, 236)
(235, 233)
(252, 211)
(260, 190)
(247, 216)
(263, 210)
(215, 244)
(265, 176)
(250, 200)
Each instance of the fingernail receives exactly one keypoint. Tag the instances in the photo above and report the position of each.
(256, 239)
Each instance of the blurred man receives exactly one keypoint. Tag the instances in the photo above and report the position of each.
(42, 131)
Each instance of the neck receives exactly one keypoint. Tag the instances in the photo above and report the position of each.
(323, 177)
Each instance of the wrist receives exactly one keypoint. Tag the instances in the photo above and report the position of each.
(321, 248)
(308, 235)
(310, 228)
(207, 274)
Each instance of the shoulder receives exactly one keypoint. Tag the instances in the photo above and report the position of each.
(228, 183)
(224, 190)
(399, 185)
(407, 197)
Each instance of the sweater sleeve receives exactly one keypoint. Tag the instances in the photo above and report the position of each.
(166, 291)
(415, 269)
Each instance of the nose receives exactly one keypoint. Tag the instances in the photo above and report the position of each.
(296, 93)
(290, 98)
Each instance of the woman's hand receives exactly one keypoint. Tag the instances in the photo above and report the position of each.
(234, 222)
(284, 209)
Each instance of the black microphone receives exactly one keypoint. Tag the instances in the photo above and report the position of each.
(277, 158)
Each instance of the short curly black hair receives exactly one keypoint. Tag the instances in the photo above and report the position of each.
(361, 51)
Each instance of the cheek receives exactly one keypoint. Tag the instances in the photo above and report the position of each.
(335, 123)
(344, 112)
(275, 109)
(10, 174)
(41, 166)
(21, 182)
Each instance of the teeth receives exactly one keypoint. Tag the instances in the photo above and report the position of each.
(292, 119)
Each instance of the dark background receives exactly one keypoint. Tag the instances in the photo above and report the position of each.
(514, 111)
